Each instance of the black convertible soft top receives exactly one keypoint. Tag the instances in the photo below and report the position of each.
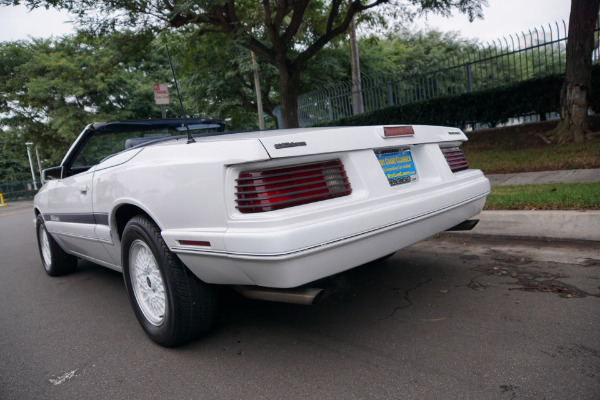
(195, 124)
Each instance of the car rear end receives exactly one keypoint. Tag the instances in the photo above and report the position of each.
(330, 199)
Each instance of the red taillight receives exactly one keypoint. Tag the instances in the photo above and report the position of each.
(455, 158)
(276, 188)
(392, 131)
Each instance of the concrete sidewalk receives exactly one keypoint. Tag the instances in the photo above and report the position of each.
(565, 176)
(541, 224)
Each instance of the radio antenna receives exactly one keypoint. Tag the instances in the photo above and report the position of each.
(190, 138)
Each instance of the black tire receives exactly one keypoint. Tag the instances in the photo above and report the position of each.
(170, 302)
(55, 260)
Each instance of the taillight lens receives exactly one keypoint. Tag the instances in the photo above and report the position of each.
(455, 158)
(276, 188)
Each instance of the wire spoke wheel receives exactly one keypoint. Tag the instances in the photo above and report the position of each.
(55, 260)
(147, 282)
(45, 247)
(171, 304)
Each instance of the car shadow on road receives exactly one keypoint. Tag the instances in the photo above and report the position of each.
(363, 297)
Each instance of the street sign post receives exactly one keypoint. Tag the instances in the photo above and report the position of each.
(161, 96)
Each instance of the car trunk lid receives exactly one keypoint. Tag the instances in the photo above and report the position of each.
(301, 142)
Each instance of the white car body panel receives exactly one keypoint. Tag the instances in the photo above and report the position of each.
(189, 192)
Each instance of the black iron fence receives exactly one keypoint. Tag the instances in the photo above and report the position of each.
(18, 190)
(536, 53)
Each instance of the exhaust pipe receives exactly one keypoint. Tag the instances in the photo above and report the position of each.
(306, 296)
(464, 226)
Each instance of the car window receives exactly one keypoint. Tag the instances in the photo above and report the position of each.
(98, 147)
(106, 143)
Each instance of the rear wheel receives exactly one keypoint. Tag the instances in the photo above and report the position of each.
(172, 304)
(55, 260)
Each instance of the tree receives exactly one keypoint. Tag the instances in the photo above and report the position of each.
(576, 89)
(50, 89)
(284, 33)
(14, 165)
(216, 74)
(216, 78)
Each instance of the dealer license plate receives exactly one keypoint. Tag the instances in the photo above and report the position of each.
(397, 165)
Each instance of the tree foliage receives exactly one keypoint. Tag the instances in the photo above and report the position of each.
(217, 75)
(285, 34)
(14, 164)
(217, 79)
(50, 89)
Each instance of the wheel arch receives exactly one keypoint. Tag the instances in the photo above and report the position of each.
(124, 212)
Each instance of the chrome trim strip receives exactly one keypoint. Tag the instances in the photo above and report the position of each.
(190, 250)
(90, 238)
(78, 218)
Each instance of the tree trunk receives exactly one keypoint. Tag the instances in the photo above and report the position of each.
(357, 101)
(573, 125)
(289, 84)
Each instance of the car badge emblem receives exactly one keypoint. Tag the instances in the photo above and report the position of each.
(289, 144)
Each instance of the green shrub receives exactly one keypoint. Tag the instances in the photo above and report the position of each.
(493, 106)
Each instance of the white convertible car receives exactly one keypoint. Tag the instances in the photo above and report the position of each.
(179, 209)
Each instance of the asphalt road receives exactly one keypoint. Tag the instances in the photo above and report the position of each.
(449, 318)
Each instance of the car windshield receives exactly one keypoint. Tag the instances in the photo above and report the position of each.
(113, 138)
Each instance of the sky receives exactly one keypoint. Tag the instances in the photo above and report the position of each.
(501, 18)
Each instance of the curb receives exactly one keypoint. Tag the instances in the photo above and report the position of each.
(559, 225)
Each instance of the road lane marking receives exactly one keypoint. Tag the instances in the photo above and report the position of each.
(63, 378)
(16, 212)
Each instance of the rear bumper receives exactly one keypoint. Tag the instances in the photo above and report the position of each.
(273, 258)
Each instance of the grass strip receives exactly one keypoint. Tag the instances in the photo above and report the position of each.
(547, 196)
(548, 158)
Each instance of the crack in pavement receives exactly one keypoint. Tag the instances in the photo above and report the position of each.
(406, 297)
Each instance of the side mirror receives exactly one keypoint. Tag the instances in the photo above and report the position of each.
(52, 173)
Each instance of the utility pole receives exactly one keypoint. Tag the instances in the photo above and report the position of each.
(357, 103)
(29, 144)
(261, 117)
(37, 154)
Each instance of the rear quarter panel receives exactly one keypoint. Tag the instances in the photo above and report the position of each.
(178, 185)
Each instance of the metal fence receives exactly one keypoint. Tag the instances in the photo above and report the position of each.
(536, 53)
(18, 190)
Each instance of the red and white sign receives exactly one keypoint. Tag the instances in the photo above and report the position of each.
(161, 93)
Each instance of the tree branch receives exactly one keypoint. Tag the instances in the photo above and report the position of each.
(335, 6)
(283, 9)
(332, 32)
(269, 21)
(298, 13)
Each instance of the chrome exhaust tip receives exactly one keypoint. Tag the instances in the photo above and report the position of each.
(305, 296)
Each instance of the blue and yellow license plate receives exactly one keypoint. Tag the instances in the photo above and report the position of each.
(397, 165)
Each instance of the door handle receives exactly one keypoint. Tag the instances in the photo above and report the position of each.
(83, 189)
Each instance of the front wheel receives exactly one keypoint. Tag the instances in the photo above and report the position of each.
(55, 260)
(172, 304)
